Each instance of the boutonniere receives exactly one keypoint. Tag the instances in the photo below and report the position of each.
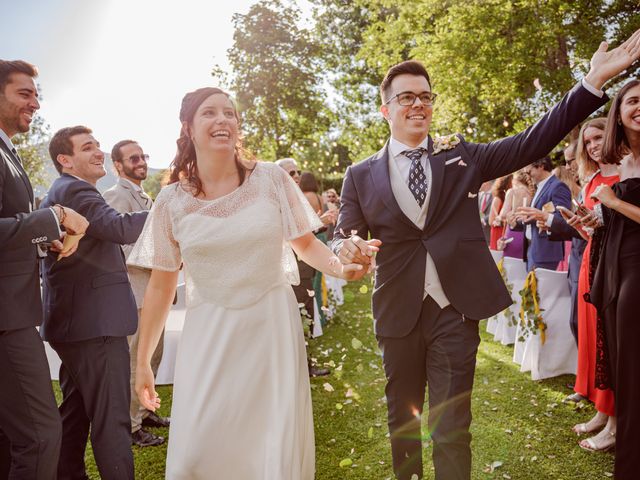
(446, 142)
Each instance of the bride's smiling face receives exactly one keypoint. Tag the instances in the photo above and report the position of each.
(215, 125)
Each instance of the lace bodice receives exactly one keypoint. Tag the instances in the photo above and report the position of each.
(234, 248)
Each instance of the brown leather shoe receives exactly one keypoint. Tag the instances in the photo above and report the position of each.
(142, 438)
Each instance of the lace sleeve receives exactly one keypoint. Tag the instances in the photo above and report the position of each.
(156, 247)
(298, 216)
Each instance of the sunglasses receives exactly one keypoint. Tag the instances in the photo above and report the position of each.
(294, 172)
(135, 159)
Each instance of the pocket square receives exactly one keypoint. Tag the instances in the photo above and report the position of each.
(461, 163)
(453, 160)
(472, 195)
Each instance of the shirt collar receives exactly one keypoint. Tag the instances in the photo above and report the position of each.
(396, 147)
(542, 183)
(7, 141)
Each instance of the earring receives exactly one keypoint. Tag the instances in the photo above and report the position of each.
(619, 121)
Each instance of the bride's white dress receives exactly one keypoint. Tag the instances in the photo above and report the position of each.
(241, 399)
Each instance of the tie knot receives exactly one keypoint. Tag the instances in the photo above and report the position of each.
(415, 154)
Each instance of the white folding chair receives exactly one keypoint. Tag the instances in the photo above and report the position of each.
(515, 271)
(172, 333)
(492, 322)
(558, 355)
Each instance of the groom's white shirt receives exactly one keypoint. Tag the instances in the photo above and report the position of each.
(399, 167)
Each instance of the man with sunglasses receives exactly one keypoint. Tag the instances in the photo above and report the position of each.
(128, 196)
(435, 278)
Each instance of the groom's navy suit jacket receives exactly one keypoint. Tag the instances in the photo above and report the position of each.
(88, 294)
(452, 233)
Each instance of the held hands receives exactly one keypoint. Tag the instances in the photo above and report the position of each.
(357, 256)
(607, 64)
(145, 387)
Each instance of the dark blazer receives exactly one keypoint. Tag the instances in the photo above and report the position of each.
(541, 248)
(561, 231)
(88, 294)
(452, 233)
(21, 230)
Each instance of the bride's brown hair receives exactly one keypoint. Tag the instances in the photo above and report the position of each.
(184, 165)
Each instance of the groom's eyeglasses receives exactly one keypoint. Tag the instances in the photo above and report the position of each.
(135, 159)
(292, 173)
(407, 99)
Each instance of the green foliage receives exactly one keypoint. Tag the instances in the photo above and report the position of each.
(497, 64)
(32, 148)
(154, 183)
(276, 79)
(531, 318)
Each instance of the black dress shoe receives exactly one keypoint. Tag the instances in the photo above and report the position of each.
(142, 438)
(156, 421)
(318, 372)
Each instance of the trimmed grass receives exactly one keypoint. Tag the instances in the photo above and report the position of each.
(519, 423)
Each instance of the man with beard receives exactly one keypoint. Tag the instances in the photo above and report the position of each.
(30, 427)
(128, 196)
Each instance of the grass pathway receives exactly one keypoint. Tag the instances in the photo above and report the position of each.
(521, 429)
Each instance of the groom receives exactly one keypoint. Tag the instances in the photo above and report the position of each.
(435, 277)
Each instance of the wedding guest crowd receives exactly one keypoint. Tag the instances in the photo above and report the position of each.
(243, 336)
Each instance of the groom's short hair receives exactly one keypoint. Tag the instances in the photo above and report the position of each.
(409, 67)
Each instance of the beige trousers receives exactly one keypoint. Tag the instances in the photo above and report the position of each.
(137, 411)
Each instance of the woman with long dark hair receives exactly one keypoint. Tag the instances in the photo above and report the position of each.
(614, 291)
(241, 400)
(593, 172)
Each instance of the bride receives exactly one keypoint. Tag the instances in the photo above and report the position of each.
(241, 400)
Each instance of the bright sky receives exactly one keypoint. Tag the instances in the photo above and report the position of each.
(120, 67)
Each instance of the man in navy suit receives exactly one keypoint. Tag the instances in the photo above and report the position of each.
(89, 310)
(30, 428)
(542, 252)
(435, 277)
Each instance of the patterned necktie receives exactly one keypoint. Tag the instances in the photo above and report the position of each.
(417, 175)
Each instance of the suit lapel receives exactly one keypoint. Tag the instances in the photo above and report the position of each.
(23, 174)
(136, 195)
(543, 192)
(379, 169)
(437, 163)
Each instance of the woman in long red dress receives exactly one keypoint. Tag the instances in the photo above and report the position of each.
(593, 174)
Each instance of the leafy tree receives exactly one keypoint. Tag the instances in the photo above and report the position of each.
(154, 183)
(32, 148)
(276, 79)
(497, 64)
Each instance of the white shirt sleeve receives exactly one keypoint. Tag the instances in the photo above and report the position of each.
(591, 88)
(53, 212)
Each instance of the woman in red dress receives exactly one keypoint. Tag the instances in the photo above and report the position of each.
(593, 173)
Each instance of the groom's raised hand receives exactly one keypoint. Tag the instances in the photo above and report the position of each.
(607, 64)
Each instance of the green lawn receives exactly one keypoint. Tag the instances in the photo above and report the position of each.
(518, 424)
